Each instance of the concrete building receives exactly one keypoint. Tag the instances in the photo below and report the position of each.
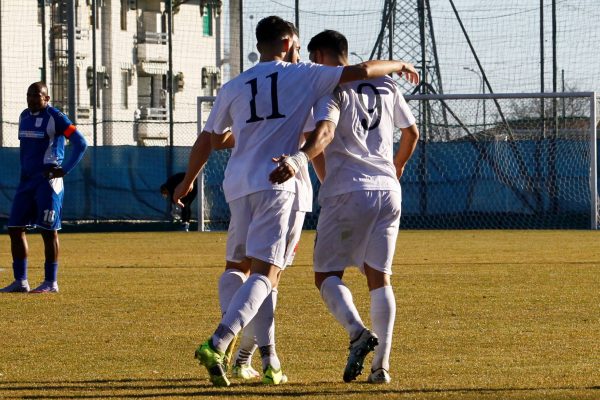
(132, 55)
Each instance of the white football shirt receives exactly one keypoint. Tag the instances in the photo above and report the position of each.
(304, 193)
(266, 108)
(361, 155)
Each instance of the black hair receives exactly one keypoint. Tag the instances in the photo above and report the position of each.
(41, 85)
(329, 40)
(273, 28)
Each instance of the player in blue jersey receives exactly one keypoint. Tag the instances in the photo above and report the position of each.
(43, 131)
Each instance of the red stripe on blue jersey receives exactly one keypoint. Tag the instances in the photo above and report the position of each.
(69, 131)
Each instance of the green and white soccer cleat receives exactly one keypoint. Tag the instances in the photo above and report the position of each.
(380, 375)
(359, 348)
(245, 372)
(274, 377)
(213, 361)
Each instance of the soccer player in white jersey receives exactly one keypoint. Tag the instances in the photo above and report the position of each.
(266, 107)
(261, 329)
(360, 202)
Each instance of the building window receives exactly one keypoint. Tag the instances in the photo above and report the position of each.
(77, 81)
(152, 92)
(41, 11)
(164, 21)
(207, 21)
(124, 9)
(124, 89)
(76, 14)
(95, 103)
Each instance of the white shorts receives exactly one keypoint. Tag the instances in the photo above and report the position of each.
(358, 228)
(259, 227)
(293, 238)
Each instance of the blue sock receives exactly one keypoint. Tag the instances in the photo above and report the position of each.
(50, 271)
(20, 270)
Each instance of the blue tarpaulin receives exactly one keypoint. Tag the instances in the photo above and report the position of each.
(523, 184)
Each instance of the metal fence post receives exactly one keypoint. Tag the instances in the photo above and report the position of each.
(71, 56)
(593, 162)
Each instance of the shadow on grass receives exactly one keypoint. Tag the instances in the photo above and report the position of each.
(189, 387)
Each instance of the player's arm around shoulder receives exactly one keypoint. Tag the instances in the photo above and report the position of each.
(316, 142)
(379, 68)
(326, 112)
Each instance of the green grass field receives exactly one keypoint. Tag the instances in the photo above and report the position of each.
(481, 315)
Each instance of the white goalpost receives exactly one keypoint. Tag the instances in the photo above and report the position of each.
(595, 212)
(200, 103)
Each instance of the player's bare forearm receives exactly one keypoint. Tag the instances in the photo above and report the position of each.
(221, 141)
(318, 163)
(181, 190)
(378, 68)
(319, 139)
(316, 142)
(198, 157)
(226, 142)
(408, 143)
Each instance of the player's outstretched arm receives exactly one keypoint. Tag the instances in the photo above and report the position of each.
(198, 158)
(408, 143)
(315, 144)
(378, 68)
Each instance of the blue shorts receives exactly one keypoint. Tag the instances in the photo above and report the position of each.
(38, 202)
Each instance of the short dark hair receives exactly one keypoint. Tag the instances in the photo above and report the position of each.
(273, 28)
(41, 85)
(330, 40)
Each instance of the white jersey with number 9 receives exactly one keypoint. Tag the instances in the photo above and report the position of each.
(360, 157)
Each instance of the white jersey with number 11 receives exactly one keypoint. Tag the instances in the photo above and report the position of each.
(266, 108)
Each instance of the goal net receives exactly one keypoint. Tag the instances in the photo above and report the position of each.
(515, 161)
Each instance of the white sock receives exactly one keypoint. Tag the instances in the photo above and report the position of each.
(264, 325)
(338, 300)
(383, 315)
(247, 347)
(229, 283)
(243, 307)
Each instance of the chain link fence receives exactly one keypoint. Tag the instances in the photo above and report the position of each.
(128, 72)
(493, 164)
